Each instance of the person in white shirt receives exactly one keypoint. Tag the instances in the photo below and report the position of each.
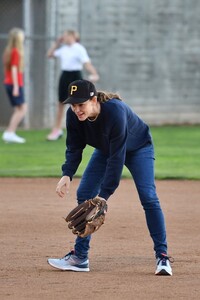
(73, 58)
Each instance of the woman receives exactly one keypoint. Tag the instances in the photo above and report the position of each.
(13, 61)
(120, 138)
(73, 58)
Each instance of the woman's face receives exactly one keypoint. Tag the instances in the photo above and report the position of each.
(68, 38)
(85, 110)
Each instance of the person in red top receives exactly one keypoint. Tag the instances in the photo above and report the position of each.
(13, 62)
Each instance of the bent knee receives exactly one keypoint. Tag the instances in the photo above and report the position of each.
(149, 200)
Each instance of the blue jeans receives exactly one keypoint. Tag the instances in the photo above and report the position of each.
(141, 166)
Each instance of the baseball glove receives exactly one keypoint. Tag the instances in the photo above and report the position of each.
(87, 217)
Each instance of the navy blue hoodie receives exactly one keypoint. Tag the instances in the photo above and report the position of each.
(116, 131)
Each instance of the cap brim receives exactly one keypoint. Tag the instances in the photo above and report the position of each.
(72, 100)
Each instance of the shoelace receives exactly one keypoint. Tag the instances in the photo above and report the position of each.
(165, 257)
(72, 252)
(68, 254)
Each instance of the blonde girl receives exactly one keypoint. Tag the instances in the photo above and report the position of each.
(13, 62)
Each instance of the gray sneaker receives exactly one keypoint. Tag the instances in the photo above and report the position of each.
(163, 265)
(70, 262)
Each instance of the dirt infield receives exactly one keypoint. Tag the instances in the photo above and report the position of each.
(121, 258)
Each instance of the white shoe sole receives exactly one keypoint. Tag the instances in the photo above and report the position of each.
(67, 268)
(163, 272)
(54, 139)
(13, 142)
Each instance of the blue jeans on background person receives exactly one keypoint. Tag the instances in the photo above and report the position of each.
(15, 100)
(140, 163)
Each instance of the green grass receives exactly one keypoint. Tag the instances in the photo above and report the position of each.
(177, 150)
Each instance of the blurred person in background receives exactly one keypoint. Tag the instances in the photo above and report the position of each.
(73, 58)
(13, 62)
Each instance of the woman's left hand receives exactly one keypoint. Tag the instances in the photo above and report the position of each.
(93, 77)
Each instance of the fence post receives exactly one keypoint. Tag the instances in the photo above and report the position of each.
(27, 20)
(50, 69)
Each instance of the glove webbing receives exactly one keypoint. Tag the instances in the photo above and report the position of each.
(78, 223)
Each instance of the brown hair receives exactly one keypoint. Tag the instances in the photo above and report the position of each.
(106, 96)
(15, 40)
(74, 33)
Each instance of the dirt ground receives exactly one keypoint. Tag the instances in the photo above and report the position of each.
(122, 261)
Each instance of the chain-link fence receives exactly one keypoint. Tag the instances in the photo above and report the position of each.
(38, 20)
(39, 75)
(148, 51)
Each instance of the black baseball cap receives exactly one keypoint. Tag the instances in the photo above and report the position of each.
(80, 91)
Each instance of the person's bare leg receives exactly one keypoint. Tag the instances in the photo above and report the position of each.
(59, 117)
(9, 134)
(17, 117)
(56, 132)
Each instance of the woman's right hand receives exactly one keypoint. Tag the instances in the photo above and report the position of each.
(63, 185)
(59, 40)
